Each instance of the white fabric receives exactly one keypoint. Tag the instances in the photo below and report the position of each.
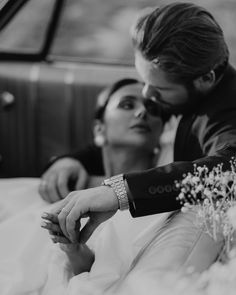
(131, 255)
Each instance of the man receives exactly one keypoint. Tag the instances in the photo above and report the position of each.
(182, 57)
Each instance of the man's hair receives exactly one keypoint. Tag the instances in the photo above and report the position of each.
(184, 39)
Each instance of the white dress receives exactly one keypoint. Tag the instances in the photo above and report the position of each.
(131, 255)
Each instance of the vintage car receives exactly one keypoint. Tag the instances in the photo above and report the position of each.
(55, 56)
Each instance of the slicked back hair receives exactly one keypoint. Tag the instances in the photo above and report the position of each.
(183, 39)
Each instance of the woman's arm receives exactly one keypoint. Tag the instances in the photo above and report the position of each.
(80, 256)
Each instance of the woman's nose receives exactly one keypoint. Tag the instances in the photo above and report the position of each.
(141, 112)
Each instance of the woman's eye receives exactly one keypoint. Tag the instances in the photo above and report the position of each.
(126, 105)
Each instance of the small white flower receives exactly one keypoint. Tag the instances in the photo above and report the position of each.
(181, 196)
(199, 188)
(212, 193)
(206, 202)
(195, 179)
(207, 192)
(231, 213)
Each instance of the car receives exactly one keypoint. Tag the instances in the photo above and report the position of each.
(55, 57)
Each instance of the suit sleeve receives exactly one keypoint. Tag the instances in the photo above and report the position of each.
(153, 191)
(90, 158)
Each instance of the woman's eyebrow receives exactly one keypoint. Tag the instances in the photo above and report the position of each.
(132, 97)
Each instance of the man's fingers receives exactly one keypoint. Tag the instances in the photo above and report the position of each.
(82, 180)
(63, 217)
(62, 185)
(52, 189)
(42, 190)
(73, 223)
(77, 229)
(96, 218)
(87, 231)
(48, 188)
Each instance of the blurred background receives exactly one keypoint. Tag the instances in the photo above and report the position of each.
(52, 69)
(98, 30)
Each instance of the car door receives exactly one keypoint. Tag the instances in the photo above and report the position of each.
(46, 102)
(20, 64)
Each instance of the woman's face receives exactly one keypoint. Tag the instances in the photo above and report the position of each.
(127, 121)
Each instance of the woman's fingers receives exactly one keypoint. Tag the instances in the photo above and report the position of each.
(55, 232)
(60, 239)
(51, 217)
(52, 227)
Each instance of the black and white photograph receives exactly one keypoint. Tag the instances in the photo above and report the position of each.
(117, 147)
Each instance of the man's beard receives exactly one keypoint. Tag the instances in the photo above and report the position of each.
(193, 102)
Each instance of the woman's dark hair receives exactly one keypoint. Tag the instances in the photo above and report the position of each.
(106, 94)
(184, 39)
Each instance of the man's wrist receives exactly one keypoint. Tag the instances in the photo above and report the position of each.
(118, 185)
(132, 206)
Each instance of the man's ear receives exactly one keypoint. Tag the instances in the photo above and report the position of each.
(98, 133)
(205, 82)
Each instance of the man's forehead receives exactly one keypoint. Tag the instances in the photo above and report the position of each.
(151, 73)
(135, 89)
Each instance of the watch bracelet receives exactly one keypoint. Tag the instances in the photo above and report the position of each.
(117, 184)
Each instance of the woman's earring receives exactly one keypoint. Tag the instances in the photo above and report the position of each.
(99, 140)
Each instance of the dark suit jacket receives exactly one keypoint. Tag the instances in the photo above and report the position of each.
(205, 137)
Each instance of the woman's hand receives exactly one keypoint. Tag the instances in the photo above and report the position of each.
(98, 204)
(51, 224)
(55, 181)
(81, 257)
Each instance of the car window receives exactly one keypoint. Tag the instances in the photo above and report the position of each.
(98, 30)
(2, 3)
(26, 32)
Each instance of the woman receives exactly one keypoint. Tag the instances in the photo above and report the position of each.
(128, 255)
(128, 128)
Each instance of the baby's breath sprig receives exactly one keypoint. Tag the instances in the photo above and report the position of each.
(212, 193)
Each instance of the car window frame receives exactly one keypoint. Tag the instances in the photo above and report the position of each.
(7, 13)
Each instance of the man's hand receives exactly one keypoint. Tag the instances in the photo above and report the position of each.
(55, 181)
(98, 204)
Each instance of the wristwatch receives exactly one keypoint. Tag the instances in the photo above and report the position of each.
(118, 185)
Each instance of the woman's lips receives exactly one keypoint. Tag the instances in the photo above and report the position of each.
(142, 127)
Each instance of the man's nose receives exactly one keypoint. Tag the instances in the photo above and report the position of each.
(147, 91)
